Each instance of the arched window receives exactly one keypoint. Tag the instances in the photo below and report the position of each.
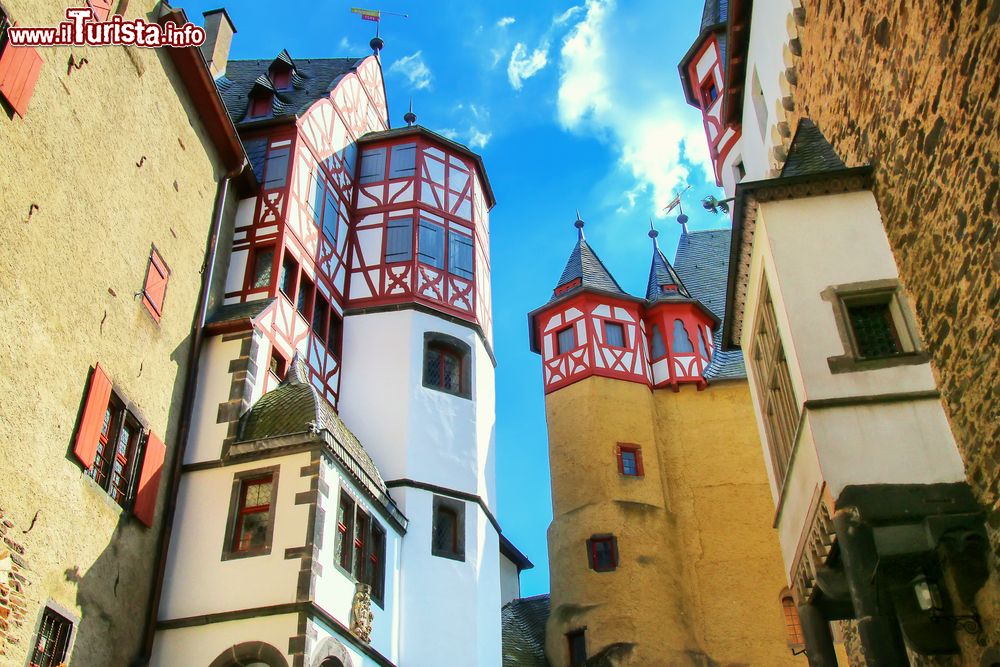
(793, 626)
(332, 662)
(447, 364)
(656, 347)
(250, 654)
(682, 342)
(701, 343)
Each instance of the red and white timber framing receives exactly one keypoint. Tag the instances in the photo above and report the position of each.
(680, 324)
(705, 74)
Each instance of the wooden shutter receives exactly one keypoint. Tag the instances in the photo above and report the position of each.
(149, 479)
(618, 455)
(92, 420)
(373, 165)
(101, 8)
(638, 462)
(155, 288)
(399, 240)
(19, 68)
(403, 161)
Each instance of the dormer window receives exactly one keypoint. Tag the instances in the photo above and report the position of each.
(709, 93)
(668, 289)
(260, 106)
(282, 79)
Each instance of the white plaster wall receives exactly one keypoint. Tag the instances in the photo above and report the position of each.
(510, 581)
(197, 580)
(334, 589)
(768, 36)
(315, 656)
(411, 431)
(817, 242)
(198, 646)
(214, 382)
(450, 609)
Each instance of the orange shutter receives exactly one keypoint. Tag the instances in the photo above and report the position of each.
(19, 67)
(156, 285)
(149, 479)
(101, 8)
(92, 421)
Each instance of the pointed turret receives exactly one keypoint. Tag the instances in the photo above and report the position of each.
(664, 283)
(585, 270)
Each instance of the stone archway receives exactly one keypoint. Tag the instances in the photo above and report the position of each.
(331, 653)
(250, 654)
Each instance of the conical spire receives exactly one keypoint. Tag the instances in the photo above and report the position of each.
(664, 282)
(584, 269)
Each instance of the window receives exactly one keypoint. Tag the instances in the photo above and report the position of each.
(403, 161)
(263, 258)
(251, 513)
(324, 204)
(372, 165)
(330, 215)
(116, 448)
(321, 318)
(430, 243)
(460, 255)
(316, 191)
(276, 168)
(289, 272)
(682, 342)
(349, 155)
(874, 333)
(577, 641)
(779, 410)
(278, 364)
(702, 348)
(155, 288)
(399, 240)
(261, 106)
(793, 625)
(333, 336)
(360, 546)
(52, 640)
(602, 550)
(739, 171)
(656, 346)
(630, 460)
(304, 303)
(875, 327)
(709, 93)
(614, 334)
(447, 364)
(448, 529)
(282, 80)
(566, 340)
(19, 68)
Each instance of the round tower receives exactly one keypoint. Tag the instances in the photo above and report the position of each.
(418, 381)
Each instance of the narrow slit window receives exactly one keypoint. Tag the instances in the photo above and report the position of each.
(376, 564)
(577, 641)
(304, 304)
(345, 531)
(289, 272)
(334, 334)
(657, 348)
(320, 318)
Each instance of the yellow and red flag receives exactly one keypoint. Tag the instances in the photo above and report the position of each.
(367, 14)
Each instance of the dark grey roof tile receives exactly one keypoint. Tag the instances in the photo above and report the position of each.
(239, 311)
(586, 266)
(662, 273)
(523, 631)
(810, 152)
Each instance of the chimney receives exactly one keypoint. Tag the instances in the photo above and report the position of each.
(219, 31)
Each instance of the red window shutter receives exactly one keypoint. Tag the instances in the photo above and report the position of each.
(101, 8)
(92, 421)
(618, 455)
(149, 479)
(155, 289)
(19, 67)
(638, 462)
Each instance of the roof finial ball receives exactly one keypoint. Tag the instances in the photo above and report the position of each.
(409, 117)
(652, 233)
(377, 44)
(579, 223)
(682, 219)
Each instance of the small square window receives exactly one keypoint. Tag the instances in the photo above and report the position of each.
(602, 551)
(52, 640)
(278, 364)
(873, 329)
(577, 641)
(630, 460)
(566, 340)
(289, 272)
(614, 334)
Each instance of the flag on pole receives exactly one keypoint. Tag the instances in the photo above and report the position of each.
(673, 204)
(367, 14)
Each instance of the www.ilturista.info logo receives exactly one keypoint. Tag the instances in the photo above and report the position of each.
(81, 28)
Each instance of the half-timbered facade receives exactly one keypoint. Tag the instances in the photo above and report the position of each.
(340, 476)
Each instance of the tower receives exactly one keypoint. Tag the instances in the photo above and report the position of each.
(652, 447)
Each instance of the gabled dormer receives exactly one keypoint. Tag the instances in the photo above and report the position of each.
(282, 71)
(261, 99)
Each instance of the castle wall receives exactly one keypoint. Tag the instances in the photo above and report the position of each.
(80, 219)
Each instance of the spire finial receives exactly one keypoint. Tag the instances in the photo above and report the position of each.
(652, 231)
(579, 224)
(409, 117)
(682, 219)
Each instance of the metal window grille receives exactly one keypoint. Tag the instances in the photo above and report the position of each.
(52, 640)
(874, 331)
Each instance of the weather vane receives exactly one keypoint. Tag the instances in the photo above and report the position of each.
(376, 16)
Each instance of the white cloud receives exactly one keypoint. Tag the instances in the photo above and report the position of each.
(567, 15)
(478, 117)
(414, 69)
(524, 65)
(630, 103)
(506, 21)
(478, 139)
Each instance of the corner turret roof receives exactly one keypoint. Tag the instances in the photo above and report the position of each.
(662, 273)
(810, 152)
(584, 265)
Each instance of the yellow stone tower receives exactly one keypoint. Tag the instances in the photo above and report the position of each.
(661, 550)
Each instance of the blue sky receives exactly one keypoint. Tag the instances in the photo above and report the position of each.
(572, 105)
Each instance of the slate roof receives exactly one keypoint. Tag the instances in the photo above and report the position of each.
(662, 273)
(293, 407)
(523, 631)
(810, 152)
(702, 260)
(585, 265)
(715, 12)
(313, 79)
(239, 311)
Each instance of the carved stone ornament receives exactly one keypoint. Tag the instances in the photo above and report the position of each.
(361, 612)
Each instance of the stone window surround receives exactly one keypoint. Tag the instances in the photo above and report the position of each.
(603, 537)
(373, 525)
(458, 507)
(228, 553)
(74, 621)
(890, 290)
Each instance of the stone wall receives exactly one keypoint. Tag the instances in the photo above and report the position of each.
(912, 88)
(109, 159)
